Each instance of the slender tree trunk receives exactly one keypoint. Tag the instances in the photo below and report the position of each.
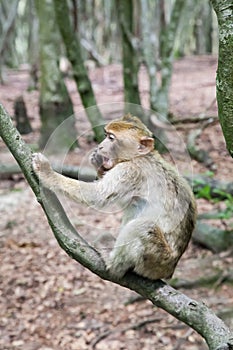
(21, 116)
(7, 21)
(55, 103)
(150, 45)
(167, 38)
(74, 54)
(7, 25)
(33, 50)
(224, 82)
(203, 29)
(129, 54)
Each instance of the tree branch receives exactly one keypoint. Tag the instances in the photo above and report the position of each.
(195, 314)
(86, 174)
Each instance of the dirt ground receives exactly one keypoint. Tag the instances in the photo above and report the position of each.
(50, 302)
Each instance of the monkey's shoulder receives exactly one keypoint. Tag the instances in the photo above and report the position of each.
(151, 166)
(160, 172)
(153, 163)
(127, 171)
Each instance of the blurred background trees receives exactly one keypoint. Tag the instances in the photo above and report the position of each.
(55, 104)
(136, 33)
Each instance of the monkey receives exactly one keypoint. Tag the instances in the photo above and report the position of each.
(159, 209)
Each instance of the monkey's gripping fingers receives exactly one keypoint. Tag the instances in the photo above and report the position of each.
(41, 165)
(96, 159)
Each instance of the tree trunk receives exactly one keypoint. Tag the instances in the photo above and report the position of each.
(167, 39)
(7, 23)
(74, 54)
(33, 50)
(129, 54)
(224, 83)
(55, 103)
(21, 117)
(150, 45)
(203, 29)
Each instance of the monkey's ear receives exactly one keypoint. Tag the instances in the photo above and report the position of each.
(146, 145)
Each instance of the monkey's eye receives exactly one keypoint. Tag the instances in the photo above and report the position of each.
(111, 137)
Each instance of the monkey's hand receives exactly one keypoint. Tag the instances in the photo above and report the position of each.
(97, 161)
(41, 167)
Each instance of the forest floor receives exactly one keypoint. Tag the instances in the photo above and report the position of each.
(50, 302)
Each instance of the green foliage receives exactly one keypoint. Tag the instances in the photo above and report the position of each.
(206, 192)
(202, 189)
(227, 213)
(208, 173)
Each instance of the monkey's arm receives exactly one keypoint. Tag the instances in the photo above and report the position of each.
(74, 189)
(97, 194)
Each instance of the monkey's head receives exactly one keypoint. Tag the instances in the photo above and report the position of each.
(126, 138)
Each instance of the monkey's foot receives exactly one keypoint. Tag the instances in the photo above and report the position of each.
(116, 272)
(118, 268)
(40, 164)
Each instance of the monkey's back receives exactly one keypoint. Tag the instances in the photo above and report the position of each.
(163, 196)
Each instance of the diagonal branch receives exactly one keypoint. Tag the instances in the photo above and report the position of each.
(195, 314)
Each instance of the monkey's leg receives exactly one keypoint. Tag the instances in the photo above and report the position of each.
(141, 246)
(158, 261)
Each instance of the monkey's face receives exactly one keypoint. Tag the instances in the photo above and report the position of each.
(123, 142)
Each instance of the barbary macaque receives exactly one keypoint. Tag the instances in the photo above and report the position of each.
(159, 210)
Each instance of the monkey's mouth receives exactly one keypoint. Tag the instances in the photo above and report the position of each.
(108, 163)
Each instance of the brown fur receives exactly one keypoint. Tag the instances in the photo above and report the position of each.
(129, 122)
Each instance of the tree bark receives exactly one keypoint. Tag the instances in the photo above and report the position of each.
(203, 29)
(129, 54)
(195, 314)
(21, 116)
(8, 14)
(224, 81)
(7, 25)
(150, 45)
(33, 49)
(74, 54)
(167, 40)
(55, 103)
